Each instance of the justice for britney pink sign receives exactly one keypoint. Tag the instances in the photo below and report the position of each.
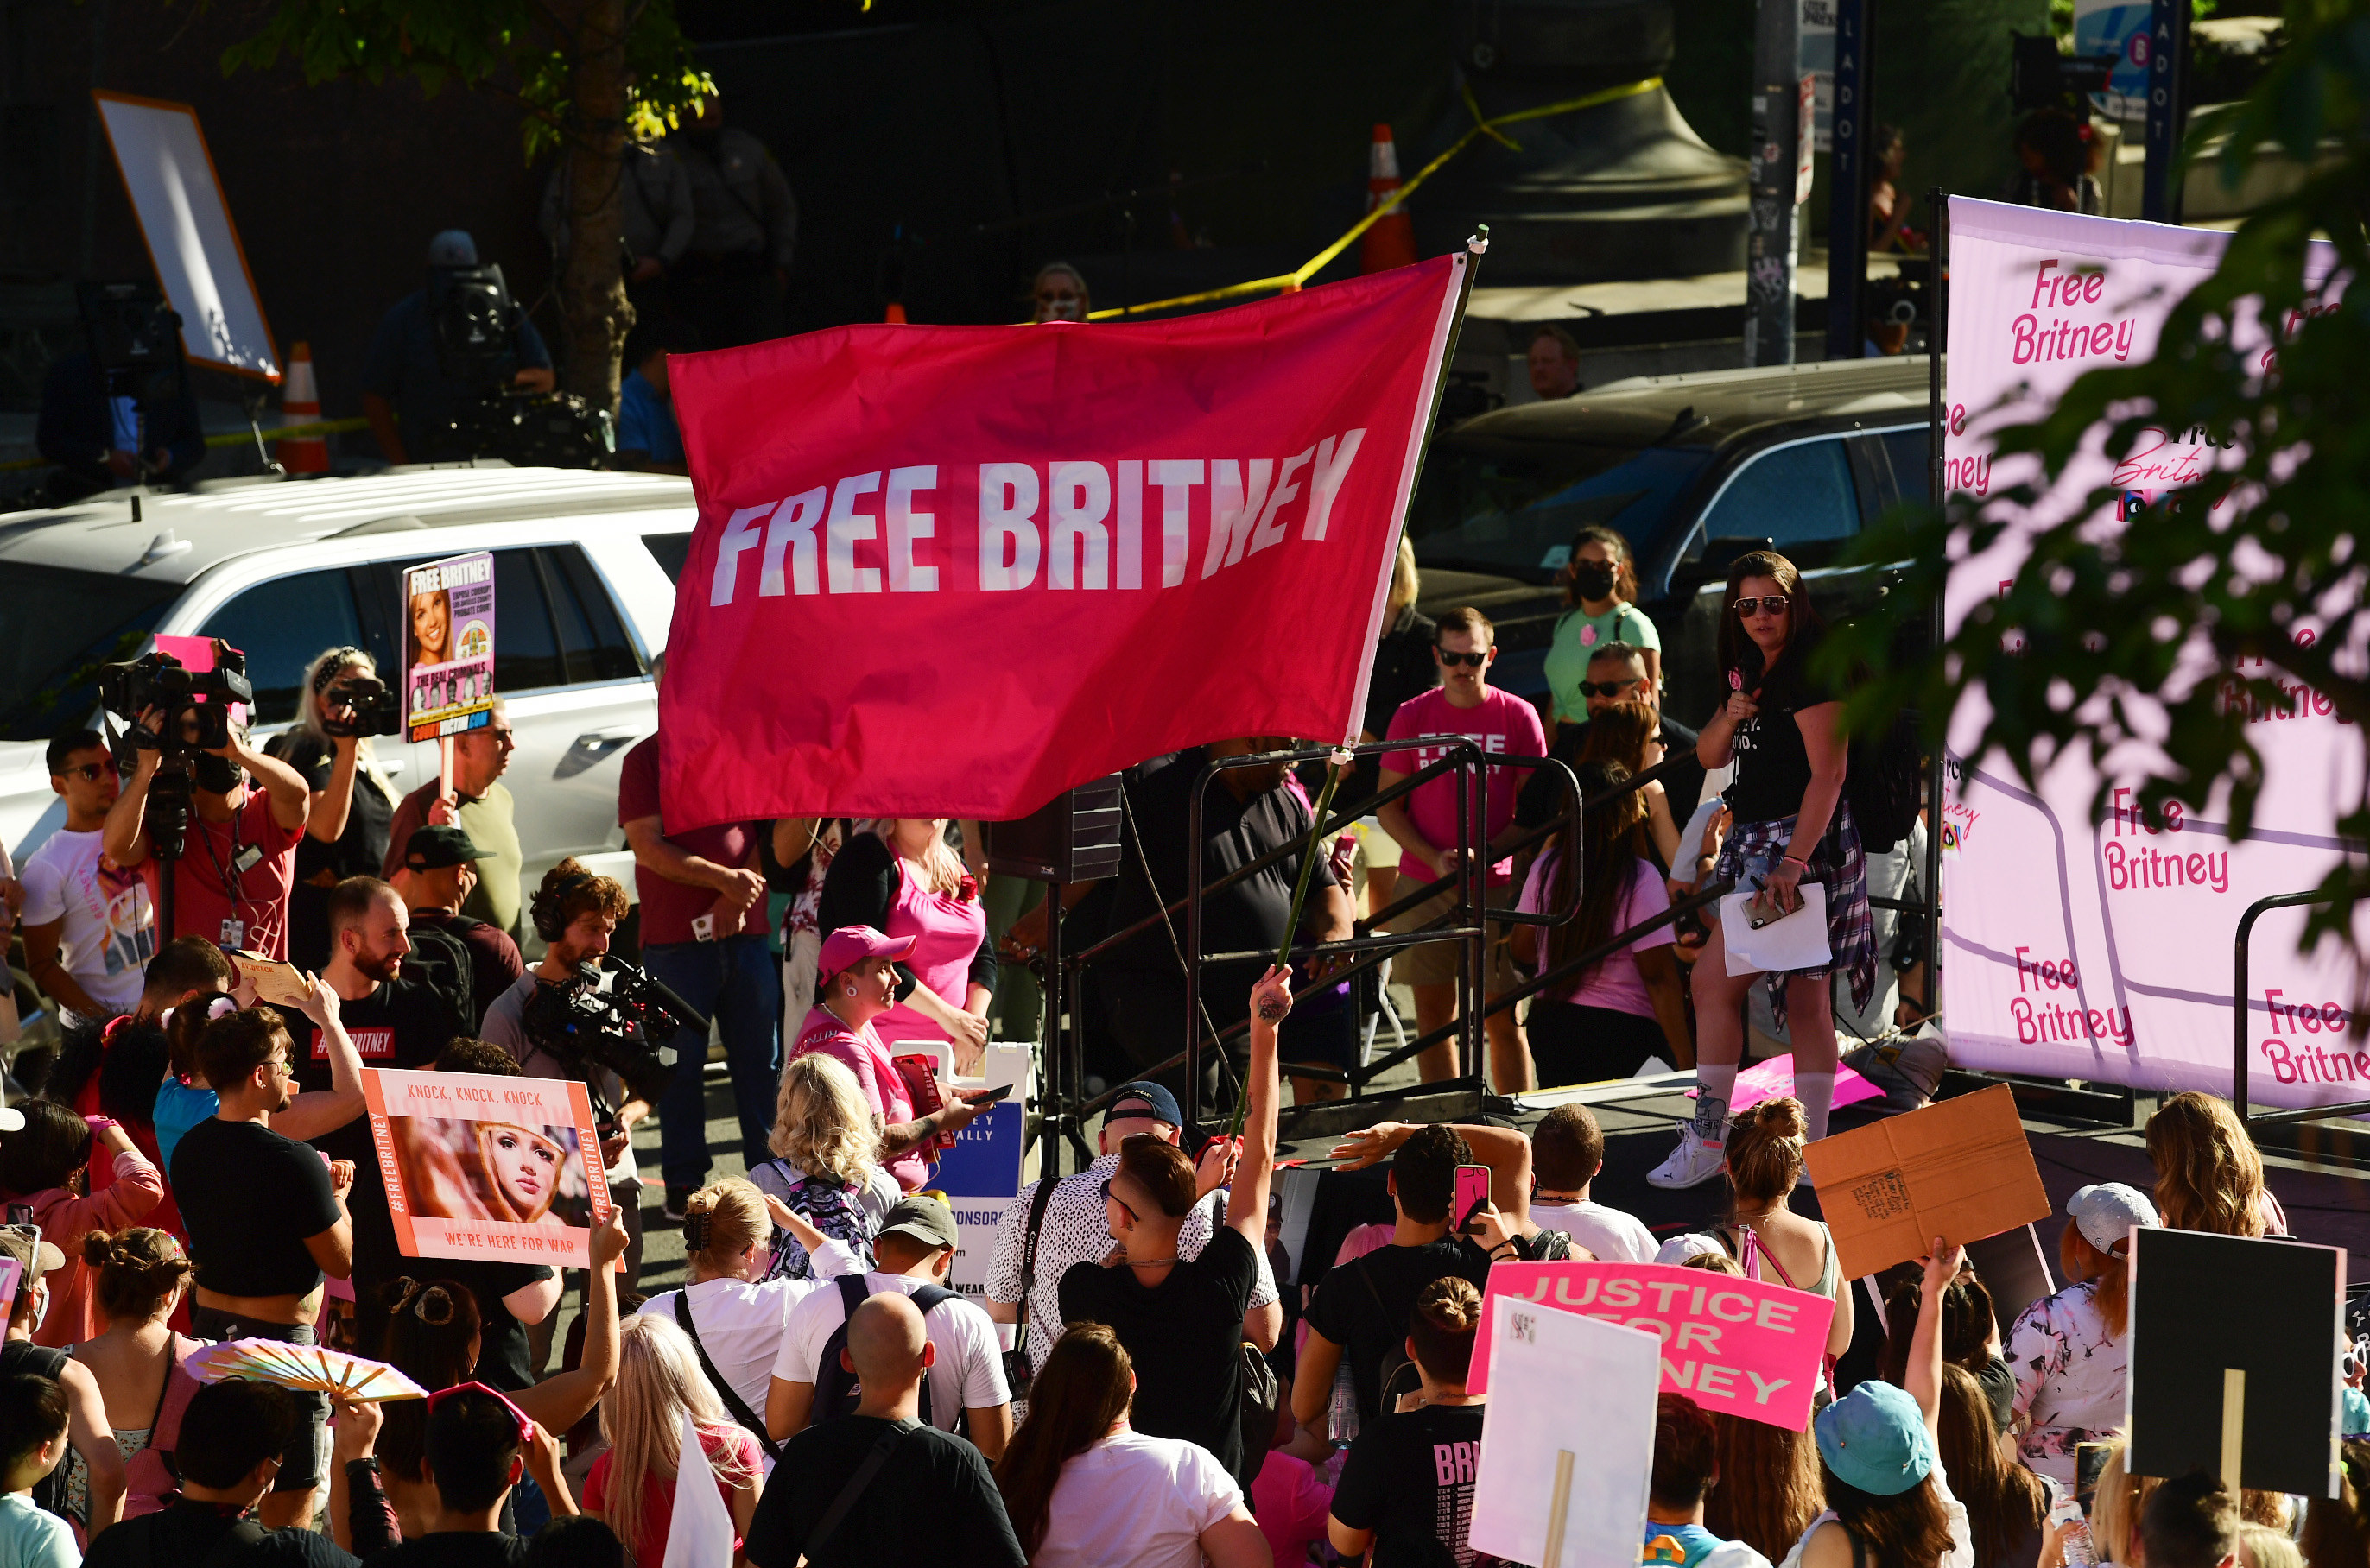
(1736, 1345)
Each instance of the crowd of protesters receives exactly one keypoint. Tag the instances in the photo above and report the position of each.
(196, 1167)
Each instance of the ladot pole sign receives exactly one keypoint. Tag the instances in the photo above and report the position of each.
(2098, 945)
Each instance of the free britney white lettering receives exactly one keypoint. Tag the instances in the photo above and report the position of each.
(1071, 525)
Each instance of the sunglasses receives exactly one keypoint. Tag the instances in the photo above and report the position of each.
(1768, 604)
(1470, 660)
(525, 1426)
(1121, 1201)
(93, 771)
(1609, 688)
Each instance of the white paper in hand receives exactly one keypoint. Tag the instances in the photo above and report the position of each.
(700, 1535)
(1798, 941)
(1563, 1382)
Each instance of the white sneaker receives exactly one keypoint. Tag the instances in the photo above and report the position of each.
(1691, 1164)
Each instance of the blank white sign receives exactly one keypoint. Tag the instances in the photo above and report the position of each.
(187, 224)
(1566, 1381)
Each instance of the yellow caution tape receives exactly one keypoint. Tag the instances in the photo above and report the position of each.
(289, 432)
(1299, 276)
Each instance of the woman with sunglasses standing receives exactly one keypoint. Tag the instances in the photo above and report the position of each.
(1785, 732)
(353, 803)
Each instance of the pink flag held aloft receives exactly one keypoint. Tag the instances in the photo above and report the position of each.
(955, 570)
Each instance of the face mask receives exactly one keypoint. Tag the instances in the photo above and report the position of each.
(217, 775)
(1592, 578)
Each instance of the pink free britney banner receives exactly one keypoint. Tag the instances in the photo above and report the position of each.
(954, 570)
(2084, 942)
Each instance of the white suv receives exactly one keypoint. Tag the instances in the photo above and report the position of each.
(584, 565)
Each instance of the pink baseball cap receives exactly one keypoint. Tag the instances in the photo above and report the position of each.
(851, 943)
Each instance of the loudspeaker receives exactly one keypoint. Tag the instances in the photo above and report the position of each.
(1075, 837)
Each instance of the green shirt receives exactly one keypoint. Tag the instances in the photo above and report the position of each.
(1578, 636)
(491, 824)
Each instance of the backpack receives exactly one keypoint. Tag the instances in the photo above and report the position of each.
(1884, 784)
(833, 1209)
(836, 1391)
(1395, 1374)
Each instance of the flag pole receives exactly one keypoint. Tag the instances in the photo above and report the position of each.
(1341, 758)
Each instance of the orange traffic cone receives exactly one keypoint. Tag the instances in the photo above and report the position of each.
(1391, 241)
(300, 404)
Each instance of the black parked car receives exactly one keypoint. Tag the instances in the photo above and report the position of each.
(1694, 470)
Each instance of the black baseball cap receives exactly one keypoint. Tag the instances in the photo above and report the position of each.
(1142, 1099)
(434, 847)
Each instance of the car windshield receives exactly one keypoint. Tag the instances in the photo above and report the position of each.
(1486, 510)
(57, 626)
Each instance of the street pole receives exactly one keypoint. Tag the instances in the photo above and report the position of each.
(1777, 140)
(1849, 173)
(2168, 113)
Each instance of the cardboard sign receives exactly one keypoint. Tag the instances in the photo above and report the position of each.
(10, 1271)
(2234, 1360)
(448, 645)
(1740, 1346)
(1961, 1169)
(274, 981)
(1568, 1445)
(483, 1167)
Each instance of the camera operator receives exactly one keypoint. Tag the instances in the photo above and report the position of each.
(405, 393)
(232, 881)
(575, 913)
(100, 440)
(353, 801)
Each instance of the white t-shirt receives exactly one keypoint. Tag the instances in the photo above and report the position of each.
(741, 1325)
(1135, 1502)
(110, 928)
(969, 1369)
(1612, 1235)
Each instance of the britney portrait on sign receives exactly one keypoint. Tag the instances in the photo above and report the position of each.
(479, 1166)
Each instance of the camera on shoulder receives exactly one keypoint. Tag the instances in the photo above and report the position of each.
(618, 1030)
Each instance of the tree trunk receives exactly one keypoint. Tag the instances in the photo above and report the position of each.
(592, 280)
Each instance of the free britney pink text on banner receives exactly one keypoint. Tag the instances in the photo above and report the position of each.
(1735, 1345)
(955, 570)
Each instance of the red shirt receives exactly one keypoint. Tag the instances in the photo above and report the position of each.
(1501, 723)
(657, 1496)
(668, 907)
(209, 888)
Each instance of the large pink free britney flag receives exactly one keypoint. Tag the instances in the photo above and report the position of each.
(953, 571)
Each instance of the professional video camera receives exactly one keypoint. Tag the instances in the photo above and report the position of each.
(618, 1030)
(376, 708)
(161, 682)
(475, 325)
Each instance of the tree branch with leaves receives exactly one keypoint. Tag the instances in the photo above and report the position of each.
(2238, 596)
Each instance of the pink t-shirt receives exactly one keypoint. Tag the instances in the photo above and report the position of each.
(657, 1496)
(1501, 723)
(863, 1053)
(1614, 984)
(1290, 1504)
